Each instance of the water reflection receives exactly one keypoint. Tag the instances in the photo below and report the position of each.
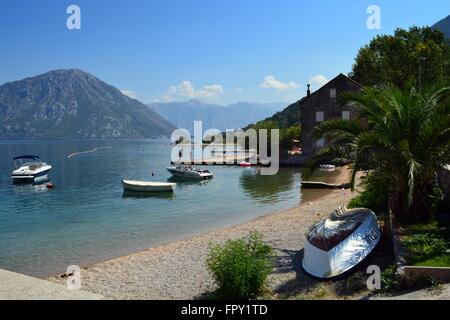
(38, 184)
(268, 189)
(88, 218)
(148, 195)
(325, 176)
(180, 181)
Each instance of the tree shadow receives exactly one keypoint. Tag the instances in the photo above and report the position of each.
(291, 261)
(345, 285)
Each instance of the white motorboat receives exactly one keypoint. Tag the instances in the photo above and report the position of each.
(144, 186)
(188, 172)
(337, 244)
(29, 167)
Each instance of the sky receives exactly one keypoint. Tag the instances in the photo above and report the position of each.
(219, 51)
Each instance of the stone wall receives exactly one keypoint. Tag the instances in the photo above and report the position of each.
(287, 160)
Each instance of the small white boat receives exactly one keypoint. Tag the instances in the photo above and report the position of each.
(144, 186)
(337, 244)
(187, 172)
(327, 167)
(28, 168)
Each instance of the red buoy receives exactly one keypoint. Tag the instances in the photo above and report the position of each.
(50, 186)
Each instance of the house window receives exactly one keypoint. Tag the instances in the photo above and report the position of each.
(319, 116)
(345, 115)
(333, 93)
(320, 143)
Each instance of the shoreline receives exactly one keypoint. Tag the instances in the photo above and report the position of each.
(177, 270)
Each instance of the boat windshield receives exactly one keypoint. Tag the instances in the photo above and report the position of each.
(328, 233)
(32, 165)
(184, 167)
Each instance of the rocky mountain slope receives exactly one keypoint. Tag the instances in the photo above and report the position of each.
(74, 104)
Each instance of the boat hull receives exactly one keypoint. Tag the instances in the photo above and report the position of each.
(140, 186)
(346, 255)
(194, 175)
(30, 175)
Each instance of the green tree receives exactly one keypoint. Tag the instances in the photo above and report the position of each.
(269, 125)
(288, 135)
(406, 141)
(395, 58)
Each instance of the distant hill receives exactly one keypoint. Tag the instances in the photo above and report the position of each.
(291, 114)
(444, 26)
(238, 115)
(288, 117)
(74, 104)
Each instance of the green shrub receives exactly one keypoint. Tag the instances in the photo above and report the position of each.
(375, 195)
(241, 267)
(388, 280)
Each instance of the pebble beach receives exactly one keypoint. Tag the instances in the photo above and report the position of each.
(177, 270)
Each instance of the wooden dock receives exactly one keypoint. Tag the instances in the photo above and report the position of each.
(231, 160)
(324, 185)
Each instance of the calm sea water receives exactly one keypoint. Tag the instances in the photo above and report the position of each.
(87, 218)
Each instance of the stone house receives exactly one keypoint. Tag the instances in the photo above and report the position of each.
(321, 105)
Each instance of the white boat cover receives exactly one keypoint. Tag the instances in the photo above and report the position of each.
(338, 243)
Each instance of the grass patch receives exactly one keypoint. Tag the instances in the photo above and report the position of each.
(321, 292)
(422, 228)
(428, 244)
(440, 261)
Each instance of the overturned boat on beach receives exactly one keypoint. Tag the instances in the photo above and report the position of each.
(337, 244)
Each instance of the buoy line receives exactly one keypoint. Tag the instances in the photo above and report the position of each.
(86, 152)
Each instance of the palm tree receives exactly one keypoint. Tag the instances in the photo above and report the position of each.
(405, 140)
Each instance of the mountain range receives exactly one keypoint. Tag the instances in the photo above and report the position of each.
(444, 26)
(233, 116)
(74, 104)
(289, 116)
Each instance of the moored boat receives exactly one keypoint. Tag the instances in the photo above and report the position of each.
(147, 186)
(188, 172)
(327, 167)
(245, 164)
(337, 244)
(28, 168)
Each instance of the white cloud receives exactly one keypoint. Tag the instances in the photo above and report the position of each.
(270, 82)
(318, 81)
(186, 89)
(129, 93)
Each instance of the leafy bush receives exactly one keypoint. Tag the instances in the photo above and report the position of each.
(287, 135)
(388, 281)
(241, 267)
(375, 196)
